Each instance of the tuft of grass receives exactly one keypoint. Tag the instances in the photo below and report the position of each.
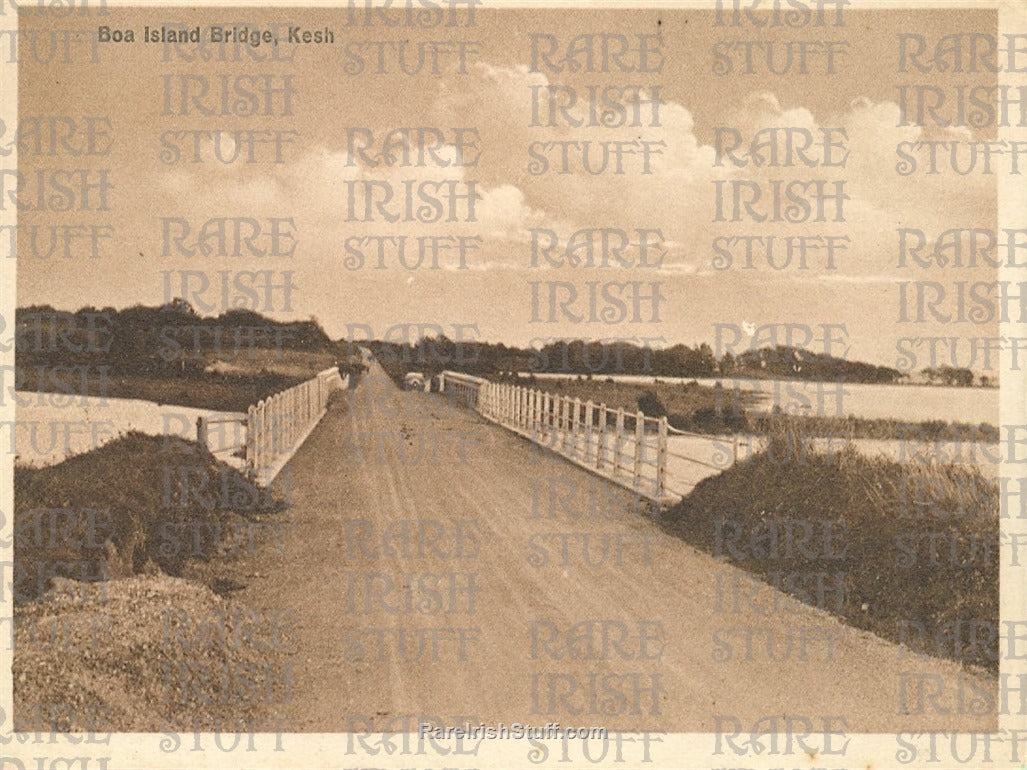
(649, 403)
(852, 427)
(910, 551)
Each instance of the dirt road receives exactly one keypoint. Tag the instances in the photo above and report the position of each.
(440, 567)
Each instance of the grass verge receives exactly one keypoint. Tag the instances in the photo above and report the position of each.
(907, 551)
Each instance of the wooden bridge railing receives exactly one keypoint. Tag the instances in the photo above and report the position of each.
(627, 448)
(463, 388)
(276, 427)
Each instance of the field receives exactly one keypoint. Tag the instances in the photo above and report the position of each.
(302, 364)
(224, 392)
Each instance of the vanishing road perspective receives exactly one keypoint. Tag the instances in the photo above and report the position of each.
(439, 567)
(376, 370)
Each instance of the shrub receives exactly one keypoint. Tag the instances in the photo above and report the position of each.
(649, 404)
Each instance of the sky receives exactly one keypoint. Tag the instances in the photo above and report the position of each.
(496, 294)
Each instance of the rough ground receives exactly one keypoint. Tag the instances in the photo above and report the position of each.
(140, 654)
(359, 474)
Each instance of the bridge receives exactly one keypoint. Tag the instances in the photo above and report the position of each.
(439, 565)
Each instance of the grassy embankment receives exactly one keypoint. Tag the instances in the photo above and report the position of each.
(137, 503)
(120, 555)
(915, 546)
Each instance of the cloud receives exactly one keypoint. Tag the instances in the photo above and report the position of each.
(318, 184)
(501, 102)
(679, 196)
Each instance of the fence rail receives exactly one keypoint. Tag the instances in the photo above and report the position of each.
(628, 448)
(275, 427)
(462, 387)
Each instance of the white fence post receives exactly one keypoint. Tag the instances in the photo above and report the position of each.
(536, 403)
(290, 415)
(289, 410)
(575, 426)
(251, 438)
(639, 445)
(565, 421)
(618, 442)
(283, 428)
(661, 459)
(260, 439)
(589, 416)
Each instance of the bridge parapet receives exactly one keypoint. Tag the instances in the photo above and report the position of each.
(629, 449)
(277, 426)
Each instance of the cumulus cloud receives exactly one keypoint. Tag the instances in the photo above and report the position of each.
(678, 196)
(317, 187)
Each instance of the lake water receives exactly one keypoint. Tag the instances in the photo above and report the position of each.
(51, 427)
(917, 403)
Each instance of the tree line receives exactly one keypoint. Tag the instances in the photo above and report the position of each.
(171, 338)
(579, 357)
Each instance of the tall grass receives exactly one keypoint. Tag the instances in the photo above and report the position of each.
(917, 545)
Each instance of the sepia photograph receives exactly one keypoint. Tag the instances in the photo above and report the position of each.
(442, 383)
